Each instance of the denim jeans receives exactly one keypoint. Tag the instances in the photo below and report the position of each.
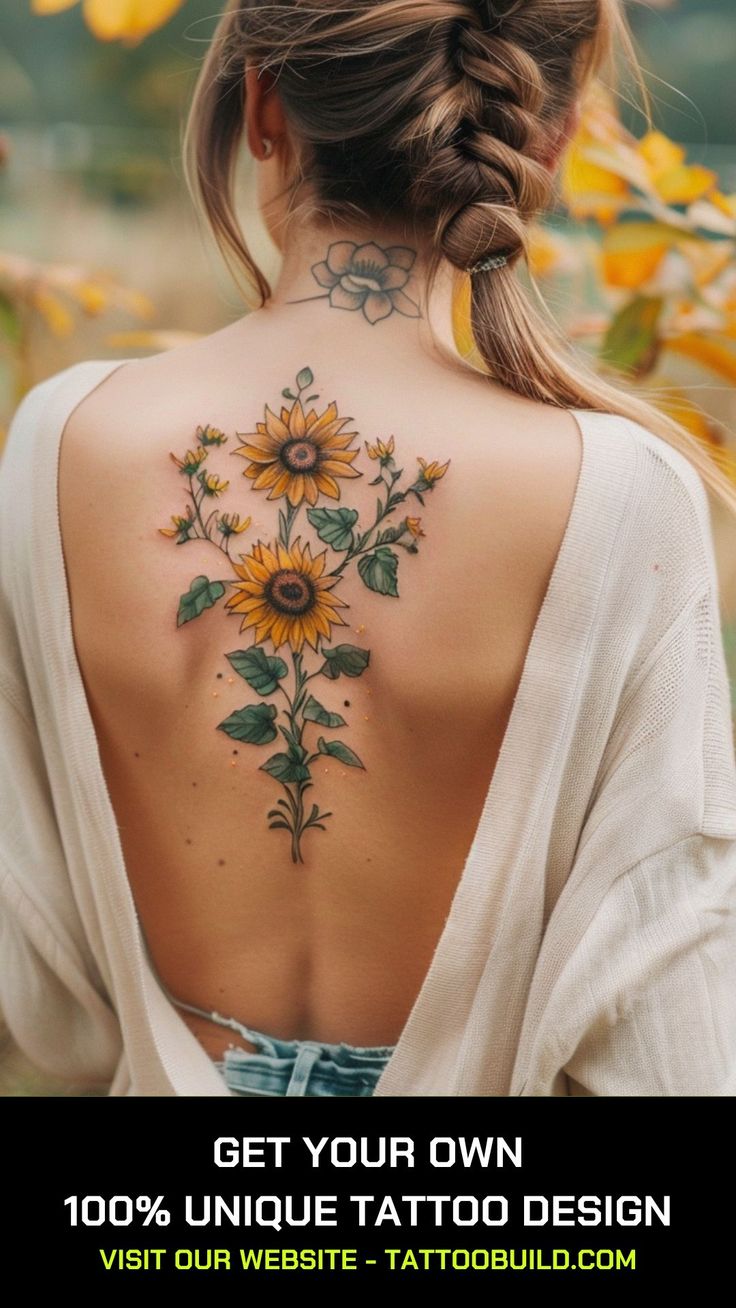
(296, 1067)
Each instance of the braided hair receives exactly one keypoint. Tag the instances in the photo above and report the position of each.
(438, 115)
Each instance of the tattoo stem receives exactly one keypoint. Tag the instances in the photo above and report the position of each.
(305, 298)
(363, 546)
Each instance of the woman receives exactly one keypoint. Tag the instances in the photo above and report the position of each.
(392, 756)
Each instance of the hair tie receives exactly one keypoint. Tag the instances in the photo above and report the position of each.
(493, 261)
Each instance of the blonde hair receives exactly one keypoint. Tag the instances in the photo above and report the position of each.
(439, 112)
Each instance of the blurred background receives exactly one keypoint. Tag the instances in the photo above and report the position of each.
(101, 254)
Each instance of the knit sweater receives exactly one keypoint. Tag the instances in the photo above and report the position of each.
(590, 947)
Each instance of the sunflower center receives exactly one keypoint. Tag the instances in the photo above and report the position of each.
(290, 592)
(298, 456)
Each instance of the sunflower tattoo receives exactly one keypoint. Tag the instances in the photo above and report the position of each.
(285, 591)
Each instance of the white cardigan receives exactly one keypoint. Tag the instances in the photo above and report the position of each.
(591, 943)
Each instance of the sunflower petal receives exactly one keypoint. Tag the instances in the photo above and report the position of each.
(339, 456)
(280, 631)
(295, 490)
(267, 477)
(338, 469)
(279, 486)
(288, 560)
(297, 425)
(324, 420)
(327, 484)
(275, 426)
(259, 453)
(334, 442)
(311, 493)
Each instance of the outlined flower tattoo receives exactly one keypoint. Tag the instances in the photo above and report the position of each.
(366, 278)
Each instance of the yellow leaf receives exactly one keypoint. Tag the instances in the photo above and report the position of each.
(461, 328)
(91, 296)
(632, 251)
(51, 6)
(685, 183)
(726, 203)
(621, 161)
(712, 353)
(660, 153)
(707, 259)
(53, 310)
(587, 188)
(632, 268)
(127, 20)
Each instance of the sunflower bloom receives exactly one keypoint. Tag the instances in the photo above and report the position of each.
(211, 483)
(129, 22)
(211, 435)
(414, 525)
(285, 596)
(183, 523)
(299, 455)
(381, 450)
(189, 465)
(432, 472)
(230, 525)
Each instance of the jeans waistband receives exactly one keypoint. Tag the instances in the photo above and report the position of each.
(275, 1047)
(295, 1067)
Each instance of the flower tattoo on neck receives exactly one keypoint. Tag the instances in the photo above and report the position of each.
(286, 590)
(366, 278)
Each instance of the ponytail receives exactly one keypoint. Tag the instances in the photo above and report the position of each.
(440, 112)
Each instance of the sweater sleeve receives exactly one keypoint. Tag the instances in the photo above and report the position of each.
(51, 994)
(655, 979)
(639, 972)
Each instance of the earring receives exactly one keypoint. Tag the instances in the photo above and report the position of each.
(267, 146)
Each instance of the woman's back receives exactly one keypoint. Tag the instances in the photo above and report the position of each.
(334, 946)
(417, 736)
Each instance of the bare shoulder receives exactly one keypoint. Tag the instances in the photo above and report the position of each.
(116, 434)
(532, 454)
(143, 393)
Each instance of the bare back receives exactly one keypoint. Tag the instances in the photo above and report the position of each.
(370, 661)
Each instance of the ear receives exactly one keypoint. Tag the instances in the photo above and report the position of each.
(264, 115)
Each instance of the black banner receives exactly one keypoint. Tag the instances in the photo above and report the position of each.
(484, 1192)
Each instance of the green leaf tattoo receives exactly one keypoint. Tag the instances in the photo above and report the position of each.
(253, 724)
(334, 526)
(338, 750)
(379, 569)
(284, 768)
(286, 590)
(261, 671)
(202, 594)
(350, 660)
(314, 712)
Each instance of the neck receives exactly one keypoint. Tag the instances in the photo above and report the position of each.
(374, 281)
